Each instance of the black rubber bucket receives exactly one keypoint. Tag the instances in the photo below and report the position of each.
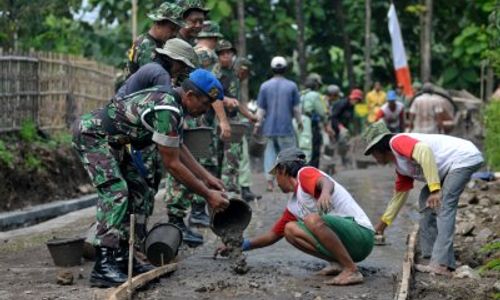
(66, 252)
(257, 145)
(162, 243)
(238, 130)
(197, 141)
(235, 217)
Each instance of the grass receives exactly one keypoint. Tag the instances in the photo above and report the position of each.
(492, 139)
(6, 156)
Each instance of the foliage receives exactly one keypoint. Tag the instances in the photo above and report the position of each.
(491, 247)
(6, 156)
(28, 131)
(492, 139)
(32, 163)
(464, 34)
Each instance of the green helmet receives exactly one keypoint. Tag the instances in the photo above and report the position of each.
(188, 5)
(168, 11)
(225, 45)
(210, 30)
(178, 49)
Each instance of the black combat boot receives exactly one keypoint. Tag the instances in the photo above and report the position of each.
(191, 238)
(248, 195)
(121, 258)
(106, 272)
(199, 216)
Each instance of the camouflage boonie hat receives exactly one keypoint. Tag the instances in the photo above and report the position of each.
(178, 49)
(168, 11)
(225, 45)
(210, 30)
(374, 134)
(188, 5)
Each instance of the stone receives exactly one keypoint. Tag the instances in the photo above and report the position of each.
(484, 235)
(297, 295)
(254, 285)
(469, 239)
(65, 278)
(470, 198)
(466, 272)
(496, 286)
(465, 228)
(484, 201)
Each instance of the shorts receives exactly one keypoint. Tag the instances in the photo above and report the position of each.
(357, 239)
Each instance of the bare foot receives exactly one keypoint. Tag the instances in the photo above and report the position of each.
(433, 269)
(332, 269)
(347, 277)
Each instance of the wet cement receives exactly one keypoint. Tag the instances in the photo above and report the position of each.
(233, 239)
(282, 272)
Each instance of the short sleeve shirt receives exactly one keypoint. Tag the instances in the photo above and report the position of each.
(149, 116)
(149, 75)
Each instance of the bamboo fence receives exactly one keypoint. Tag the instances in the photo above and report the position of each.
(50, 89)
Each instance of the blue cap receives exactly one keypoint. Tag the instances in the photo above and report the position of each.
(392, 96)
(206, 82)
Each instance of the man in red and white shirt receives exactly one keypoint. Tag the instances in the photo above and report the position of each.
(445, 164)
(321, 219)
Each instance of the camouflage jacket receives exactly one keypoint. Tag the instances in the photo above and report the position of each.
(228, 79)
(149, 116)
(142, 52)
(207, 57)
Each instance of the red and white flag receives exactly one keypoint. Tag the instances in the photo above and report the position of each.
(401, 68)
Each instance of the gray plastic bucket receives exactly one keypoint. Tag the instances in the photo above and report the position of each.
(163, 241)
(197, 141)
(66, 252)
(257, 145)
(236, 216)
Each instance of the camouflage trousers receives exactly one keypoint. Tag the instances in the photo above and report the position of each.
(121, 188)
(230, 165)
(177, 196)
(245, 173)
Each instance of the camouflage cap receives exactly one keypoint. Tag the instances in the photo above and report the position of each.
(188, 5)
(374, 134)
(314, 77)
(210, 30)
(225, 45)
(178, 49)
(168, 11)
(242, 62)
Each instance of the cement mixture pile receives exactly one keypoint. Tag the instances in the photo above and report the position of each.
(233, 239)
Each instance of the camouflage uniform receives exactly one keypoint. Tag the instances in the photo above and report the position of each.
(101, 140)
(142, 50)
(187, 6)
(232, 151)
(177, 196)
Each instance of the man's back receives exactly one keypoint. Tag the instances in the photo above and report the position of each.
(425, 109)
(277, 97)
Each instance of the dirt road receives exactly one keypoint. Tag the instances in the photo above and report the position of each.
(277, 272)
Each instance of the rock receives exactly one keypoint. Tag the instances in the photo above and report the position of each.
(201, 289)
(496, 286)
(318, 298)
(65, 278)
(465, 228)
(254, 285)
(297, 295)
(470, 198)
(484, 201)
(466, 272)
(469, 239)
(484, 235)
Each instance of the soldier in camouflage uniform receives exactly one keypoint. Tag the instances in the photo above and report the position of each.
(242, 70)
(177, 196)
(194, 14)
(231, 151)
(151, 116)
(167, 22)
(207, 42)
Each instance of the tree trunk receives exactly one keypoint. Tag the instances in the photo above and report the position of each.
(134, 20)
(339, 11)
(242, 46)
(368, 63)
(300, 40)
(425, 43)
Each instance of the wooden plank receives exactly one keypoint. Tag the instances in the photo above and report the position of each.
(120, 293)
(408, 266)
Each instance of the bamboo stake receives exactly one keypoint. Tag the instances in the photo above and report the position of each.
(131, 256)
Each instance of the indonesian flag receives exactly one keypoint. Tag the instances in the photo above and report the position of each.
(398, 53)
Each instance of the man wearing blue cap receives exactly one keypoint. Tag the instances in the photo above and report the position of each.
(150, 116)
(393, 113)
